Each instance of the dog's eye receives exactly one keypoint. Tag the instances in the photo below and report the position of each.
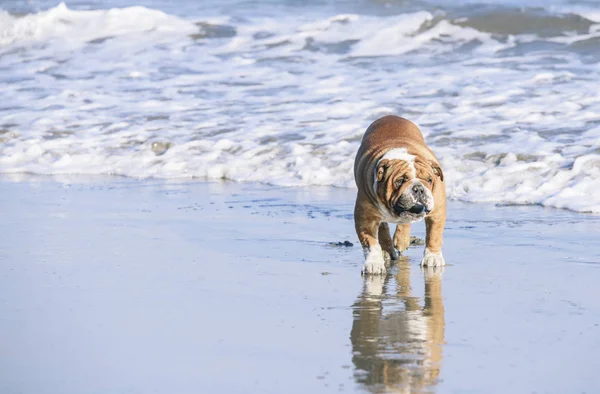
(430, 180)
(400, 182)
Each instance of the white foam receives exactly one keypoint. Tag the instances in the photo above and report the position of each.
(285, 100)
(76, 27)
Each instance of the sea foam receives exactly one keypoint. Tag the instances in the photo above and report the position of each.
(514, 118)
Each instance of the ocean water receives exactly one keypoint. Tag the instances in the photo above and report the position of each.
(506, 93)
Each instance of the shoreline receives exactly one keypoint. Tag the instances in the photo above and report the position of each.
(102, 178)
(119, 285)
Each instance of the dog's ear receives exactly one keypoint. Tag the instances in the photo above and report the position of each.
(381, 167)
(437, 170)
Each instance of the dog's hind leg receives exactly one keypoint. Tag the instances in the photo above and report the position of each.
(402, 237)
(385, 240)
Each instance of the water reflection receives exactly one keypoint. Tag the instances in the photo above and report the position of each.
(397, 338)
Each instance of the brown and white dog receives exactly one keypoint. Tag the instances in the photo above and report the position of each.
(399, 181)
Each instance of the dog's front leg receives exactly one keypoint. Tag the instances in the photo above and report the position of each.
(434, 227)
(366, 221)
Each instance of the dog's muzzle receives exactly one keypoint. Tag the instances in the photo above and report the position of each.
(414, 201)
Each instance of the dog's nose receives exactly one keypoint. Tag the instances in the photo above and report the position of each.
(418, 189)
(417, 209)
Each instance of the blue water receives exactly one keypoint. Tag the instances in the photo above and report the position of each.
(280, 92)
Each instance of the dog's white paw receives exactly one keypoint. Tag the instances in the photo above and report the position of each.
(431, 259)
(374, 262)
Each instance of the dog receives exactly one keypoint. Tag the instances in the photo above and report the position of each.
(400, 181)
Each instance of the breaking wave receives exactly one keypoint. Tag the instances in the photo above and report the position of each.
(506, 97)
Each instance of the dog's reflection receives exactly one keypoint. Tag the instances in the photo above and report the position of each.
(397, 338)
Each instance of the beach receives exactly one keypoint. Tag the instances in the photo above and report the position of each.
(177, 192)
(117, 285)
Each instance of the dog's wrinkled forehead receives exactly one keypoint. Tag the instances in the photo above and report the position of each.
(398, 154)
(395, 154)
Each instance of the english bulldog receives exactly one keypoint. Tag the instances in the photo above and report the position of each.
(400, 181)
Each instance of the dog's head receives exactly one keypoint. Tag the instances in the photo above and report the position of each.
(404, 185)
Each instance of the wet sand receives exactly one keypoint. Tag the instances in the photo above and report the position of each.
(112, 285)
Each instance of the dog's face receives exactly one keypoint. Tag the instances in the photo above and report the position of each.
(405, 187)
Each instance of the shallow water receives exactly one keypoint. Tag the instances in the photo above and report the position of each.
(281, 91)
(116, 285)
